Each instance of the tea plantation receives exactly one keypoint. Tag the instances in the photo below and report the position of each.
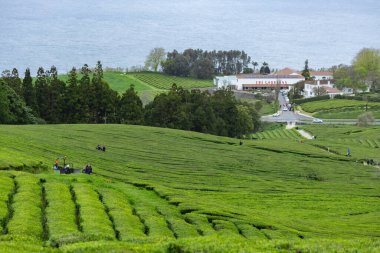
(164, 190)
(165, 82)
(341, 108)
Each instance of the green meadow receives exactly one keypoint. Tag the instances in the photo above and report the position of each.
(341, 108)
(165, 190)
(165, 82)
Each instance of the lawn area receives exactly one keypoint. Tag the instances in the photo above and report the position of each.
(165, 82)
(120, 82)
(337, 104)
(346, 113)
(340, 108)
(166, 190)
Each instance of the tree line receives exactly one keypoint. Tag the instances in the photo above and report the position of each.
(202, 64)
(363, 73)
(85, 97)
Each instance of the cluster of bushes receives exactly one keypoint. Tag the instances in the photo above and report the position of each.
(305, 100)
(27, 213)
(360, 97)
(219, 113)
(91, 100)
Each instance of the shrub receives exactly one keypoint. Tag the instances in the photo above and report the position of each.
(95, 223)
(60, 214)
(305, 100)
(365, 119)
(26, 220)
(127, 224)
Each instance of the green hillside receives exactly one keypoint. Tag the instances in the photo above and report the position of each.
(166, 190)
(149, 84)
(165, 82)
(341, 108)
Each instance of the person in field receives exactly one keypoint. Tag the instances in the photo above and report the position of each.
(87, 169)
(56, 164)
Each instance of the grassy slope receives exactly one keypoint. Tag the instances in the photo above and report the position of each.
(340, 108)
(149, 84)
(284, 188)
(364, 143)
(162, 81)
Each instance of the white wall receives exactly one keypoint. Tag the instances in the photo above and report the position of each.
(225, 81)
(318, 77)
(288, 81)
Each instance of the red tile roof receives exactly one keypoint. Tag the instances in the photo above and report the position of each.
(275, 76)
(321, 73)
(286, 71)
(332, 90)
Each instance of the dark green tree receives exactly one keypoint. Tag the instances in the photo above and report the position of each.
(265, 70)
(86, 95)
(202, 69)
(177, 66)
(43, 93)
(130, 109)
(72, 106)
(12, 80)
(12, 107)
(57, 97)
(306, 72)
(28, 91)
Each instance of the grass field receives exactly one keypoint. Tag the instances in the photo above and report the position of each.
(346, 113)
(340, 108)
(364, 143)
(164, 190)
(165, 82)
(276, 134)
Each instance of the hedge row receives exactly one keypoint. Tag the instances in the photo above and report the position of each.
(305, 100)
(360, 98)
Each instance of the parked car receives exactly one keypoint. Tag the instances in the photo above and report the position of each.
(317, 120)
(276, 114)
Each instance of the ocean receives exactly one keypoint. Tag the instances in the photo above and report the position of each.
(121, 33)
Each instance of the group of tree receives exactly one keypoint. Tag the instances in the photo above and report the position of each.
(202, 64)
(219, 113)
(85, 97)
(362, 73)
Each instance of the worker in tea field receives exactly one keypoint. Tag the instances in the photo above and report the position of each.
(56, 163)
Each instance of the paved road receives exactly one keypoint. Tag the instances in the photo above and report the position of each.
(287, 117)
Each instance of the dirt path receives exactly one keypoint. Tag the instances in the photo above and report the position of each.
(305, 134)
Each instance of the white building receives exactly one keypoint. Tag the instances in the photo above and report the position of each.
(321, 75)
(312, 88)
(248, 82)
(282, 79)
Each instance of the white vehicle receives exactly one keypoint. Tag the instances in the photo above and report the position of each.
(276, 114)
(317, 120)
(285, 108)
